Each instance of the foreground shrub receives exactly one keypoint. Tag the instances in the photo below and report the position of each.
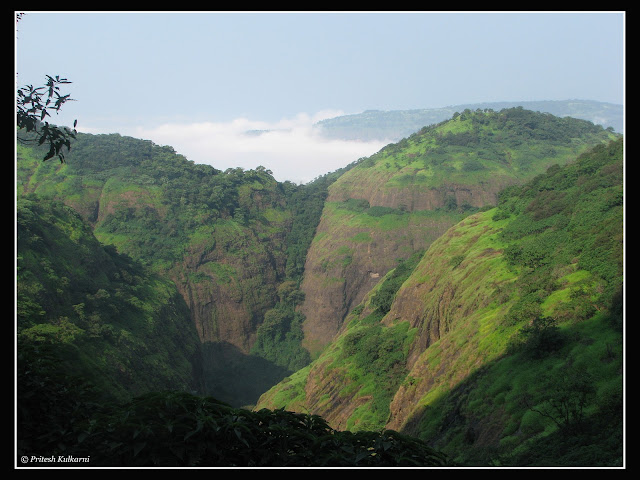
(61, 417)
(180, 429)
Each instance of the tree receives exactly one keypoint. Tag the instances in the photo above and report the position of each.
(541, 336)
(33, 105)
(567, 394)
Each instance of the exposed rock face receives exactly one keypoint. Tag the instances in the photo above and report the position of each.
(347, 259)
(415, 197)
(228, 295)
(229, 279)
(339, 271)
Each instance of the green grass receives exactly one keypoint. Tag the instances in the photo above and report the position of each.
(490, 386)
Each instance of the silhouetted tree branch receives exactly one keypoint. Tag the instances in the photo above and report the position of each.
(33, 105)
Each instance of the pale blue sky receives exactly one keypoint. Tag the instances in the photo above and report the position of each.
(145, 73)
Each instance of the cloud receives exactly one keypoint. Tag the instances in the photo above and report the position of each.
(291, 148)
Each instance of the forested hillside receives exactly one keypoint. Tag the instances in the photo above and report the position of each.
(502, 344)
(269, 270)
(113, 322)
(109, 371)
(233, 243)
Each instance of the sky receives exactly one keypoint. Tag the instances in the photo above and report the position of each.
(198, 81)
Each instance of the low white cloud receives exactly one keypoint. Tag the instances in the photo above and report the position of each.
(291, 148)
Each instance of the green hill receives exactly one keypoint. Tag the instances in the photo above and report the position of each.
(119, 326)
(407, 195)
(502, 345)
(462, 286)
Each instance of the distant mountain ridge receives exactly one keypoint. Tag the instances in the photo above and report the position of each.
(394, 125)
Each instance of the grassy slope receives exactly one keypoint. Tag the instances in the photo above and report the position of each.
(402, 198)
(471, 148)
(466, 377)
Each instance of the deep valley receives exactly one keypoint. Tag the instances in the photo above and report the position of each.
(462, 287)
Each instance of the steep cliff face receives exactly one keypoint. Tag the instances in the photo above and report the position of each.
(351, 252)
(229, 280)
(404, 197)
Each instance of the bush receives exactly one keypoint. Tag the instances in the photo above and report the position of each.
(566, 396)
(526, 309)
(541, 337)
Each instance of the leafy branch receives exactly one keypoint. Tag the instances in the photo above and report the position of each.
(33, 106)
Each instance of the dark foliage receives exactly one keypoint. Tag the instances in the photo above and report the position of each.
(541, 337)
(111, 320)
(33, 105)
(60, 416)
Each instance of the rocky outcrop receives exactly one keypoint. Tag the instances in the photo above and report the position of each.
(228, 294)
(347, 260)
(419, 197)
